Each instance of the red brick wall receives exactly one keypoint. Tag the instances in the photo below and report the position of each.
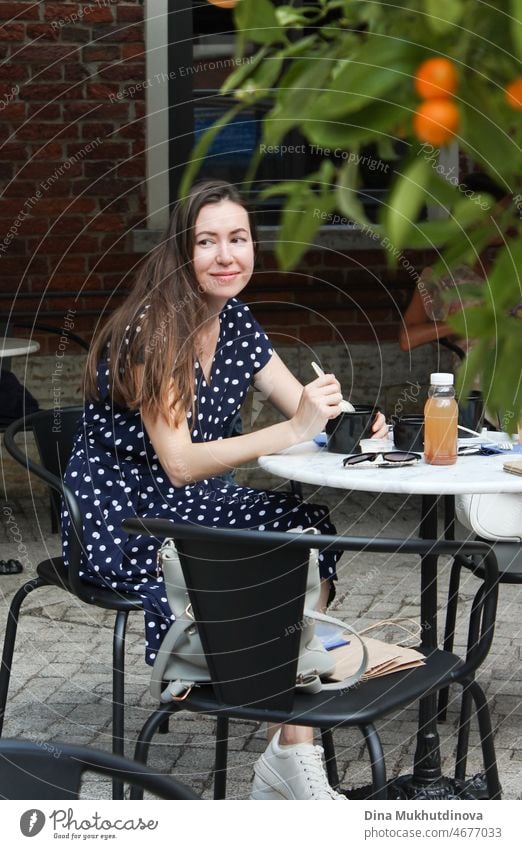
(73, 168)
(334, 298)
(72, 162)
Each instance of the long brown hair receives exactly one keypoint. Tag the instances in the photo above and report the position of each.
(150, 339)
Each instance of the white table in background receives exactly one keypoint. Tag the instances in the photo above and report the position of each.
(10, 347)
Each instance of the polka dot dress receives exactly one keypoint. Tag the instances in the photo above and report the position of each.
(115, 475)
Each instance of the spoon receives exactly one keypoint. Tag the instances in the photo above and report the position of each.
(345, 406)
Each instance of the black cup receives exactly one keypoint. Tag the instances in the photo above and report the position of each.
(471, 411)
(346, 431)
(408, 432)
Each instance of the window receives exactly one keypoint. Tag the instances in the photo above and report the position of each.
(190, 45)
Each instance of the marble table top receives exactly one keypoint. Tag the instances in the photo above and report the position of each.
(308, 463)
(10, 347)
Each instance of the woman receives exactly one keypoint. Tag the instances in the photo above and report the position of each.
(165, 378)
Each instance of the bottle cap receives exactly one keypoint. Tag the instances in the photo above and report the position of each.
(440, 378)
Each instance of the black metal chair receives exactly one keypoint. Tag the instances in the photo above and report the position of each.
(40, 327)
(246, 590)
(54, 441)
(509, 559)
(54, 771)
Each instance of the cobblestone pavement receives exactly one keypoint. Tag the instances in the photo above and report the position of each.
(61, 681)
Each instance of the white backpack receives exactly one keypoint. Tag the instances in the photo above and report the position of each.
(492, 516)
(181, 663)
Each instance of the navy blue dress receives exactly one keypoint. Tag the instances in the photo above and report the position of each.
(115, 474)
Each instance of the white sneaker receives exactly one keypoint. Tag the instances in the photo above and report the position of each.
(292, 772)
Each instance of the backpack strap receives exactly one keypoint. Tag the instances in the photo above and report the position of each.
(312, 683)
(163, 657)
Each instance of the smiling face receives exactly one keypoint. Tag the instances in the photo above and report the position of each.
(223, 251)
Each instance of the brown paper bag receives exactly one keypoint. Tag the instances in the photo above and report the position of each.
(383, 659)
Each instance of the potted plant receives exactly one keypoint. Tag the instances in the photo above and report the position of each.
(347, 74)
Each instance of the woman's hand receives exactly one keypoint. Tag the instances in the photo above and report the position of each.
(319, 402)
(379, 427)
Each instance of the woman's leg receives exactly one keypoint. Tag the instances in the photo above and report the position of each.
(304, 776)
(291, 734)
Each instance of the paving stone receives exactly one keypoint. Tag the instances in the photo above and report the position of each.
(61, 683)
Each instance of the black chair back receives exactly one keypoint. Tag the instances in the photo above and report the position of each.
(54, 432)
(54, 771)
(263, 566)
(54, 436)
(247, 598)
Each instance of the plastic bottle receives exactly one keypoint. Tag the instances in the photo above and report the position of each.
(440, 421)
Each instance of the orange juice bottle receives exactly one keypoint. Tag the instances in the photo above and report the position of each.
(440, 421)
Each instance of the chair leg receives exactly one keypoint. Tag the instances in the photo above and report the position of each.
(141, 751)
(54, 517)
(329, 758)
(465, 706)
(10, 639)
(449, 630)
(164, 727)
(378, 764)
(118, 692)
(476, 693)
(220, 767)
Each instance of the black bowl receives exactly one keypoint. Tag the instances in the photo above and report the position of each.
(346, 431)
(408, 432)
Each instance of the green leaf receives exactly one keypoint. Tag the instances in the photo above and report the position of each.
(299, 224)
(347, 199)
(516, 26)
(379, 67)
(486, 138)
(471, 367)
(243, 72)
(429, 234)
(257, 86)
(472, 322)
(468, 211)
(442, 193)
(289, 16)
(295, 94)
(386, 150)
(443, 14)
(256, 20)
(289, 187)
(503, 372)
(406, 201)
(505, 278)
(304, 46)
(365, 125)
(304, 213)
(201, 149)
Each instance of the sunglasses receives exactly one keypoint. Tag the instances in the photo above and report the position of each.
(483, 450)
(383, 459)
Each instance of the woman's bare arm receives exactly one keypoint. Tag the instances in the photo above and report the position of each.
(418, 328)
(185, 461)
(283, 390)
(279, 386)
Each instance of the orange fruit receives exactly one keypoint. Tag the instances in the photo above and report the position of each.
(224, 4)
(514, 93)
(436, 77)
(436, 120)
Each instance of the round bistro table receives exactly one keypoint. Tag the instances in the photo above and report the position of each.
(307, 463)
